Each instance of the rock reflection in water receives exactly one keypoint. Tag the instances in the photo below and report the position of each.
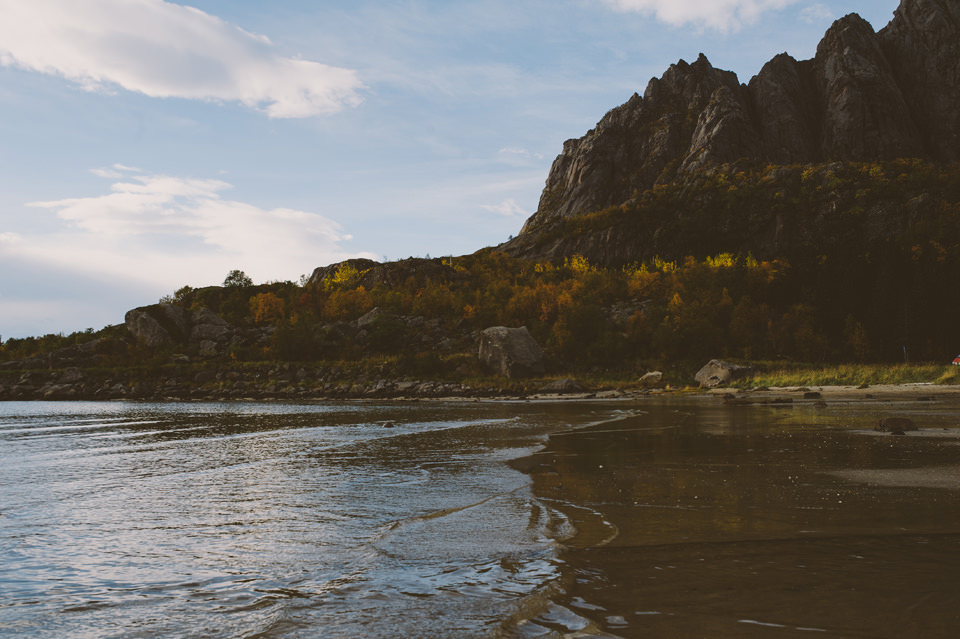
(701, 520)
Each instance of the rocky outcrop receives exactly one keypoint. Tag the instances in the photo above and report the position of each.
(639, 143)
(511, 352)
(164, 325)
(148, 327)
(864, 96)
(865, 115)
(923, 49)
(371, 274)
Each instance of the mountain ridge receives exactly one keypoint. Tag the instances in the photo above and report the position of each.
(865, 96)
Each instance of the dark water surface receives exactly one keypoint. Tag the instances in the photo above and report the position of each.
(648, 518)
(704, 520)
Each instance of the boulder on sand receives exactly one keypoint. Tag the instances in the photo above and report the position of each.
(719, 373)
(652, 379)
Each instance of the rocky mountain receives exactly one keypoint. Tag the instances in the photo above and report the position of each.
(865, 96)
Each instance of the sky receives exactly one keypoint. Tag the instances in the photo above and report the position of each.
(147, 145)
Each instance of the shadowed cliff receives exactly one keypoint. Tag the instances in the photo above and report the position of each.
(865, 97)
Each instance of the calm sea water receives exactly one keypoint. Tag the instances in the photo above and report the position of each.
(274, 520)
(677, 517)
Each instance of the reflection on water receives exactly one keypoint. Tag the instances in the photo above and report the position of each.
(702, 520)
(233, 520)
(674, 518)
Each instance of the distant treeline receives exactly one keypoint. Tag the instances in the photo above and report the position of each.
(891, 296)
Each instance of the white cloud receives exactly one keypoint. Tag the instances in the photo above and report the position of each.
(161, 49)
(169, 231)
(722, 15)
(107, 173)
(507, 208)
(816, 13)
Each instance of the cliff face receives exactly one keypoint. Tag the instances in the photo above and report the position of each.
(865, 96)
(923, 48)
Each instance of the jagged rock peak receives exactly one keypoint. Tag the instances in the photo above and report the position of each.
(864, 96)
(866, 115)
(922, 43)
(640, 142)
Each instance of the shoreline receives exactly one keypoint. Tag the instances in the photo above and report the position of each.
(413, 391)
(696, 522)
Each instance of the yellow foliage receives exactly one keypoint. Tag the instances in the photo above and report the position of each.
(266, 308)
(663, 266)
(724, 260)
(344, 305)
(578, 264)
(346, 275)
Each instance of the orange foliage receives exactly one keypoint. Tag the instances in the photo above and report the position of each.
(266, 308)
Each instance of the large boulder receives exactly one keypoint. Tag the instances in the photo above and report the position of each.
(208, 326)
(652, 379)
(718, 373)
(511, 352)
(146, 328)
(162, 325)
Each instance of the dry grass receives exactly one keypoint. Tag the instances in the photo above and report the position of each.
(855, 375)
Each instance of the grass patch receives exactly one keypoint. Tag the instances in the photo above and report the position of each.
(855, 375)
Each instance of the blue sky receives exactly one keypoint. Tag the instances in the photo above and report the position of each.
(147, 145)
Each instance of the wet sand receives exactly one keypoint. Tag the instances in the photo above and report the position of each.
(697, 517)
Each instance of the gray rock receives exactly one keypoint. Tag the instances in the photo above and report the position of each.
(209, 348)
(146, 329)
(895, 425)
(923, 46)
(177, 320)
(208, 326)
(786, 102)
(651, 379)
(866, 116)
(70, 376)
(511, 352)
(369, 318)
(60, 392)
(324, 274)
(371, 274)
(719, 373)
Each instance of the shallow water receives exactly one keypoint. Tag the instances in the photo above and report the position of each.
(648, 518)
(697, 519)
(267, 520)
